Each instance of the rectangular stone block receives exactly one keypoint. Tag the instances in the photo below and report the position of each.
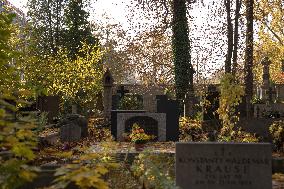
(223, 166)
(123, 120)
(70, 133)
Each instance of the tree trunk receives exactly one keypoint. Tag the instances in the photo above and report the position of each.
(230, 34)
(181, 53)
(249, 56)
(236, 36)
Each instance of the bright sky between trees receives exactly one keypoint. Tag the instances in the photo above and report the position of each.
(114, 8)
(117, 11)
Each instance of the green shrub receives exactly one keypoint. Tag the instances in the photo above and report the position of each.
(277, 132)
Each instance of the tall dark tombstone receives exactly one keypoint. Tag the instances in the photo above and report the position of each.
(107, 94)
(266, 78)
(49, 104)
(171, 108)
(210, 114)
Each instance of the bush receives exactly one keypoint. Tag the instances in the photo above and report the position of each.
(17, 140)
(191, 130)
(130, 102)
(87, 172)
(277, 132)
(238, 136)
(154, 170)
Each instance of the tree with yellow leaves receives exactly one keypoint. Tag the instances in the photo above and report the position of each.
(77, 80)
(269, 15)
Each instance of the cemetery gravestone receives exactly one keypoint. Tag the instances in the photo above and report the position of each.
(223, 166)
(49, 104)
(107, 96)
(114, 119)
(77, 120)
(149, 125)
(122, 92)
(213, 98)
(70, 133)
(266, 77)
(125, 117)
(171, 108)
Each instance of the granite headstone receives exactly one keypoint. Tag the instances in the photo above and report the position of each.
(70, 133)
(223, 165)
(171, 108)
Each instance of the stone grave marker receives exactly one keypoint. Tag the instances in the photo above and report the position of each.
(171, 108)
(149, 125)
(107, 94)
(77, 120)
(49, 104)
(70, 133)
(122, 91)
(114, 119)
(223, 165)
(152, 123)
(212, 97)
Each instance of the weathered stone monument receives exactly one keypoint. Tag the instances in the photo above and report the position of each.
(266, 76)
(122, 91)
(49, 104)
(152, 123)
(73, 133)
(70, 133)
(107, 96)
(164, 123)
(223, 166)
(269, 94)
(171, 109)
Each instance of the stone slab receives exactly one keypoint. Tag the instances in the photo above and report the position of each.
(159, 117)
(70, 133)
(114, 119)
(171, 108)
(223, 165)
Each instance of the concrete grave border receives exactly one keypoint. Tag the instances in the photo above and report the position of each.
(159, 117)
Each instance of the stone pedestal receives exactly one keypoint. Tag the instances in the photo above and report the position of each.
(265, 77)
(107, 94)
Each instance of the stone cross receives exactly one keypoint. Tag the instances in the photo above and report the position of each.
(122, 91)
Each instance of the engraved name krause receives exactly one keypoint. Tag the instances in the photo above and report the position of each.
(240, 161)
(223, 165)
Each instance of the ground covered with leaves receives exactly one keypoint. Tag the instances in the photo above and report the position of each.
(146, 170)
